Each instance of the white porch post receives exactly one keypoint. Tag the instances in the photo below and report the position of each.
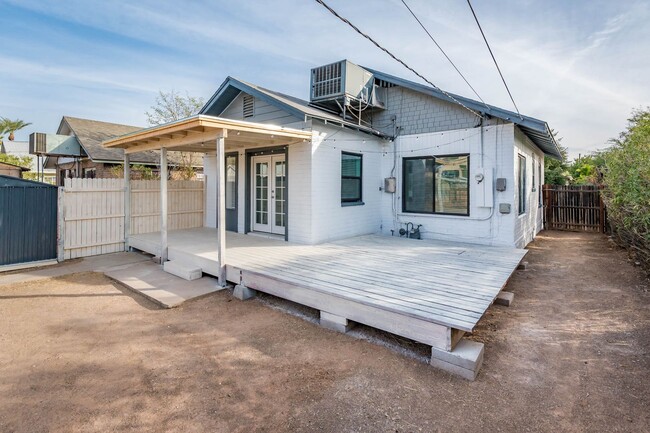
(221, 206)
(163, 205)
(127, 200)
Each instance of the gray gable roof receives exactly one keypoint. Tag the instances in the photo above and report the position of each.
(535, 129)
(91, 134)
(300, 108)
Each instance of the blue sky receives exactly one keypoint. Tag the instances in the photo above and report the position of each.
(580, 65)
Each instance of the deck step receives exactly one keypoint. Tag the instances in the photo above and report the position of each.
(183, 270)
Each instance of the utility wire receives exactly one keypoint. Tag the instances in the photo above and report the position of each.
(444, 53)
(346, 21)
(493, 58)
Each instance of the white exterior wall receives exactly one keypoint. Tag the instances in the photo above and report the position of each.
(485, 224)
(529, 223)
(330, 219)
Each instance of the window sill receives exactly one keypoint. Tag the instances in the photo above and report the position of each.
(352, 203)
(433, 214)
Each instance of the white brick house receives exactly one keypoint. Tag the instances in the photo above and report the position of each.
(460, 176)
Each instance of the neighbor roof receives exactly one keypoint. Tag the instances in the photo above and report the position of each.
(91, 134)
(535, 129)
(300, 108)
(6, 164)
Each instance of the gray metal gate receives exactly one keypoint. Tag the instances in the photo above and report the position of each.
(28, 221)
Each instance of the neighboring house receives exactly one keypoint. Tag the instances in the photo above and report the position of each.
(84, 156)
(12, 170)
(386, 155)
(21, 149)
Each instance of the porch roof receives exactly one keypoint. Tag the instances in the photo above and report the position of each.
(198, 133)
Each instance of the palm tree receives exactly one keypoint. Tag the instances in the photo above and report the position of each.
(12, 126)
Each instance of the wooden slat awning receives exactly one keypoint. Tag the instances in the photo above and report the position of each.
(198, 134)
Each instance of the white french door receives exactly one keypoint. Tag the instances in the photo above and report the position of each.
(268, 196)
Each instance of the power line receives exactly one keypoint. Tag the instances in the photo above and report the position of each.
(493, 58)
(346, 21)
(443, 52)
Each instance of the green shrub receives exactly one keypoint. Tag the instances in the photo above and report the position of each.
(627, 186)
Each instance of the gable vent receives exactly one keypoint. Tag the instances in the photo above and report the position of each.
(249, 106)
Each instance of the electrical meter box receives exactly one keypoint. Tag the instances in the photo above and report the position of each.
(390, 184)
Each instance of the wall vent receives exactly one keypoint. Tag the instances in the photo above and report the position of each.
(249, 106)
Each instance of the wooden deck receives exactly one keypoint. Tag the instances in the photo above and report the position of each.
(429, 291)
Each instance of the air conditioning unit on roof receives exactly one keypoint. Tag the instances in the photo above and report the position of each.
(343, 84)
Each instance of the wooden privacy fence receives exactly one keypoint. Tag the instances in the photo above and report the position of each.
(574, 208)
(91, 217)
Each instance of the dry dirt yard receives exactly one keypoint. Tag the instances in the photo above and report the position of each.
(81, 354)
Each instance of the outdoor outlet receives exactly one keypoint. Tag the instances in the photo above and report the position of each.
(504, 207)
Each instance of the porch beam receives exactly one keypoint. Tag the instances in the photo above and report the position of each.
(163, 205)
(221, 206)
(127, 200)
(186, 140)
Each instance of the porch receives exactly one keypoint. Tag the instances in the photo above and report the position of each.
(429, 291)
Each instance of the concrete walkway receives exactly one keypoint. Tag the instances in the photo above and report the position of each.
(88, 264)
(167, 290)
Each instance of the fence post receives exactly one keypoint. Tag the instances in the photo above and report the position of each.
(602, 209)
(60, 217)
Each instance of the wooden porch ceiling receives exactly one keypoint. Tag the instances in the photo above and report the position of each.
(198, 134)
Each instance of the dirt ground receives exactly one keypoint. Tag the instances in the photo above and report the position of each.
(80, 353)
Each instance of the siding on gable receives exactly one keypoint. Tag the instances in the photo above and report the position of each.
(484, 225)
(417, 113)
(263, 112)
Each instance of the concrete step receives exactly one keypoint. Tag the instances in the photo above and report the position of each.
(183, 270)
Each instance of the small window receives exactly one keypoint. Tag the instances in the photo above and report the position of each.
(231, 182)
(539, 180)
(249, 106)
(436, 185)
(89, 173)
(351, 185)
(533, 183)
(522, 184)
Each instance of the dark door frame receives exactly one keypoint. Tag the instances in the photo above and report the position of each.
(250, 153)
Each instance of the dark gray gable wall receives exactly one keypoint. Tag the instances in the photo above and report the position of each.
(263, 112)
(417, 113)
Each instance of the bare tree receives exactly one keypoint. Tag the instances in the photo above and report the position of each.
(169, 107)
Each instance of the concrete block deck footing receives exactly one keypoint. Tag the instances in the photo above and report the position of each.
(522, 266)
(504, 298)
(334, 322)
(465, 360)
(242, 292)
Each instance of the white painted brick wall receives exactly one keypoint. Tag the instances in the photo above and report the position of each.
(331, 220)
(530, 223)
(484, 225)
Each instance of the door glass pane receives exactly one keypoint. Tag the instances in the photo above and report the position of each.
(280, 193)
(231, 182)
(452, 185)
(418, 185)
(261, 193)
